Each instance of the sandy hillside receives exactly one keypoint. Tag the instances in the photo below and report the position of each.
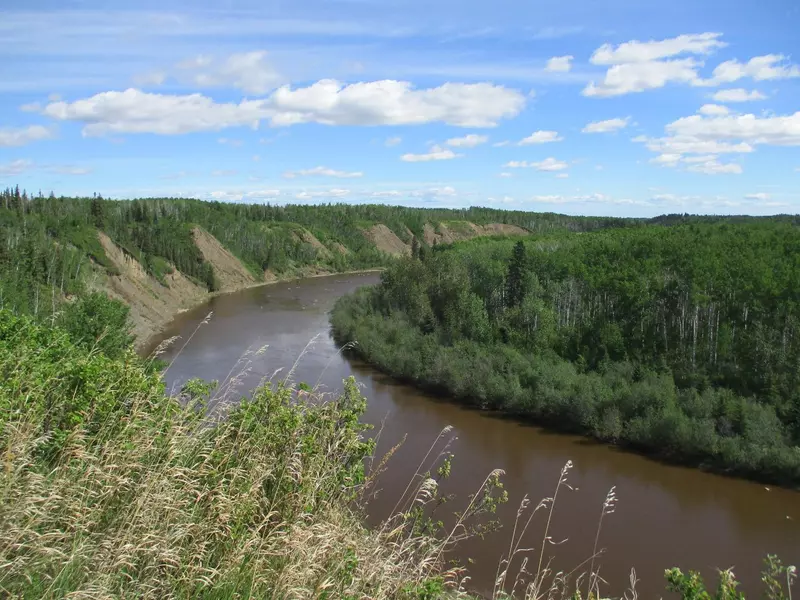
(449, 234)
(306, 236)
(152, 304)
(228, 270)
(337, 247)
(386, 240)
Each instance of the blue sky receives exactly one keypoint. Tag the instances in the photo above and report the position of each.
(619, 107)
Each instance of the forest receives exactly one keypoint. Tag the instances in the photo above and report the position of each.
(49, 245)
(680, 341)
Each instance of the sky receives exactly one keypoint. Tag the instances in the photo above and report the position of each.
(615, 107)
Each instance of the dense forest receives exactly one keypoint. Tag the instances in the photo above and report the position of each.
(49, 245)
(682, 341)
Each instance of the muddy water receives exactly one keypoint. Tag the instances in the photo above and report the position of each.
(665, 516)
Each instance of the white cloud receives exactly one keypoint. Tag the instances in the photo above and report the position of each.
(637, 66)
(223, 172)
(327, 102)
(609, 125)
(645, 52)
(16, 167)
(758, 196)
(691, 144)
(435, 153)
(324, 172)
(559, 64)
(501, 144)
(24, 135)
(511, 174)
(256, 158)
(468, 141)
(714, 167)
(640, 76)
(333, 193)
(759, 68)
(230, 142)
(236, 196)
(562, 175)
(548, 164)
(393, 141)
(737, 95)
(387, 194)
(713, 110)
(248, 71)
(540, 137)
(749, 129)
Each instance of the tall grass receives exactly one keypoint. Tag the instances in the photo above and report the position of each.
(110, 488)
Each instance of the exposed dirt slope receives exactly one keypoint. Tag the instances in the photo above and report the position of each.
(152, 304)
(306, 236)
(386, 240)
(449, 233)
(337, 247)
(228, 270)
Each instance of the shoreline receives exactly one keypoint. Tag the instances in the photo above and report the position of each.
(147, 342)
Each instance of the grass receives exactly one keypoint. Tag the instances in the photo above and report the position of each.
(126, 492)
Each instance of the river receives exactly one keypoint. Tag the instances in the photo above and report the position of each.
(665, 515)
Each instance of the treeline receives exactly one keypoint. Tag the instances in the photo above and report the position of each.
(680, 341)
(49, 245)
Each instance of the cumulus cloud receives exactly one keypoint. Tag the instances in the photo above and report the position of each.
(324, 172)
(737, 95)
(15, 167)
(758, 68)
(637, 66)
(713, 110)
(247, 71)
(468, 141)
(641, 76)
(636, 51)
(607, 126)
(559, 64)
(540, 137)
(749, 129)
(328, 102)
(548, 164)
(435, 153)
(24, 135)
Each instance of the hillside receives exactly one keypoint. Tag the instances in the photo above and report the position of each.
(161, 255)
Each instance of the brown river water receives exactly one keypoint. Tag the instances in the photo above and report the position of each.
(665, 516)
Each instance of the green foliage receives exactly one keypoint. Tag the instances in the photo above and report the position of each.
(97, 321)
(777, 578)
(682, 342)
(109, 486)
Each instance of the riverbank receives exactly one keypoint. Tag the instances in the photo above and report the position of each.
(547, 390)
(729, 521)
(148, 332)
